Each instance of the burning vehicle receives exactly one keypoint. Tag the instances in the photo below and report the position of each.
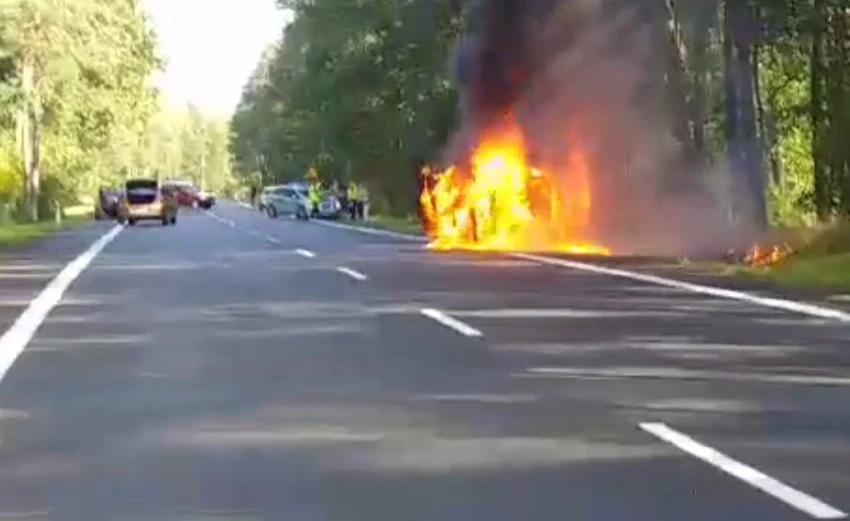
(565, 144)
(499, 201)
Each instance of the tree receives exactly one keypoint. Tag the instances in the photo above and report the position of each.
(80, 75)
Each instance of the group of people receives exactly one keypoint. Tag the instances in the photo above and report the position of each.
(353, 198)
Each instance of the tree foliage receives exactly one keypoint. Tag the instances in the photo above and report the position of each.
(78, 108)
(352, 89)
(358, 88)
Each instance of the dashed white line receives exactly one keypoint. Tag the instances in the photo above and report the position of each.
(305, 253)
(356, 275)
(451, 323)
(273, 240)
(797, 499)
(16, 338)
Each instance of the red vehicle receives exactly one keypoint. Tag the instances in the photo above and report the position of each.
(187, 194)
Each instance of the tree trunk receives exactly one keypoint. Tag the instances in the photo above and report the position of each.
(29, 121)
(677, 75)
(703, 21)
(744, 148)
(816, 113)
(840, 104)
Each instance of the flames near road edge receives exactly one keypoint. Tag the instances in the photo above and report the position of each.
(501, 202)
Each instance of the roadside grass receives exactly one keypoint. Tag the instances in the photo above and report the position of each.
(821, 261)
(20, 233)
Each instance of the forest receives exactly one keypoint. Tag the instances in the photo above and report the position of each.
(757, 89)
(79, 108)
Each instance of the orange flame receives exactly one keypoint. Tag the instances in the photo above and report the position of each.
(762, 256)
(505, 204)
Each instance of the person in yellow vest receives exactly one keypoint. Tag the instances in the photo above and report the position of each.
(362, 202)
(315, 195)
(353, 200)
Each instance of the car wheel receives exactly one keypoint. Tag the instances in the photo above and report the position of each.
(272, 211)
(131, 222)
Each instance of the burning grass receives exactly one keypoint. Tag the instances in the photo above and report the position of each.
(500, 202)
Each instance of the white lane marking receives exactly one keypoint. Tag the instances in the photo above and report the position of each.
(663, 373)
(273, 240)
(481, 398)
(776, 303)
(16, 338)
(305, 253)
(147, 374)
(797, 499)
(356, 275)
(558, 313)
(371, 231)
(221, 219)
(451, 323)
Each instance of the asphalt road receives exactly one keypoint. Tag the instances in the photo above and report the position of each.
(239, 368)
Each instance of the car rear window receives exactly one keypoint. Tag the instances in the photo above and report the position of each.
(141, 191)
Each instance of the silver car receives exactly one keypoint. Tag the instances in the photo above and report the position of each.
(286, 200)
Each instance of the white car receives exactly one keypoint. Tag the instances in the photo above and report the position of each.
(285, 200)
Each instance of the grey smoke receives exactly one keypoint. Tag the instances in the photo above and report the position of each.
(584, 73)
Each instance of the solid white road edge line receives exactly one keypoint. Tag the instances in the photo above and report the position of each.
(305, 253)
(16, 338)
(797, 499)
(660, 373)
(776, 303)
(451, 323)
(356, 275)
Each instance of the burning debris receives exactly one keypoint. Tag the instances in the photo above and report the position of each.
(760, 255)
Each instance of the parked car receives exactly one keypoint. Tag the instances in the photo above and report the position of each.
(145, 199)
(188, 195)
(330, 208)
(285, 200)
(106, 205)
(264, 197)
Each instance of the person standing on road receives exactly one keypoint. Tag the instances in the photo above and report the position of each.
(353, 200)
(315, 195)
(253, 195)
(362, 202)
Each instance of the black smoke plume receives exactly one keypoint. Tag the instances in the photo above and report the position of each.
(590, 74)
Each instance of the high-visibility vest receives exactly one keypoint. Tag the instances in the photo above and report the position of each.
(315, 194)
(352, 191)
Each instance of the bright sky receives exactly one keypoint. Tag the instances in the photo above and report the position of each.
(212, 47)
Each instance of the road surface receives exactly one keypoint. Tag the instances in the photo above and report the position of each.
(239, 368)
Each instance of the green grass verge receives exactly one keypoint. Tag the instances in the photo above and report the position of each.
(822, 263)
(16, 234)
(827, 272)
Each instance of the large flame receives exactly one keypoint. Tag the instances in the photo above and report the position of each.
(503, 203)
